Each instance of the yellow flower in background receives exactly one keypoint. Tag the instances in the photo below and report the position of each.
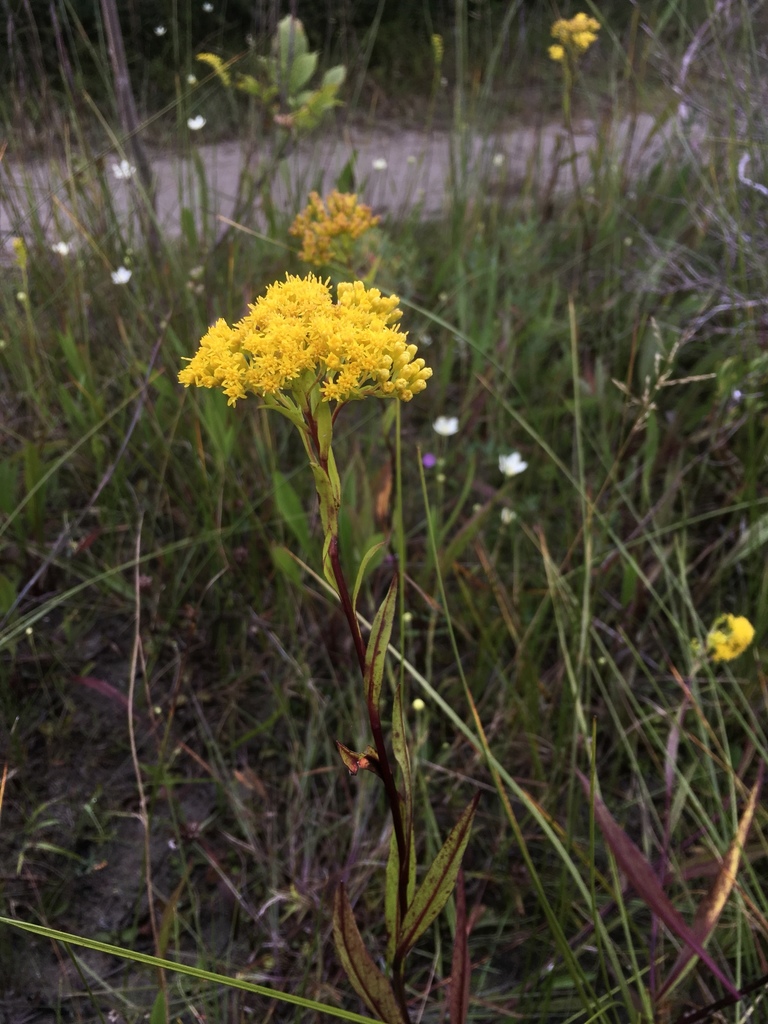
(729, 637)
(573, 36)
(20, 253)
(328, 227)
(296, 337)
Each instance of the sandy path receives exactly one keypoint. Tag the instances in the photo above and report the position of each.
(423, 172)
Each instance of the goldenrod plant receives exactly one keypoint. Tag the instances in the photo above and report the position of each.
(306, 357)
(330, 227)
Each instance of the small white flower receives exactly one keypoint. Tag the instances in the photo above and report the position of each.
(379, 164)
(207, 8)
(196, 123)
(507, 516)
(121, 276)
(61, 248)
(191, 79)
(418, 704)
(512, 464)
(21, 297)
(446, 426)
(736, 395)
(498, 159)
(160, 30)
(123, 171)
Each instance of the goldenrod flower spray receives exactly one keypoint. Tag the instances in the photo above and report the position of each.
(306, 357)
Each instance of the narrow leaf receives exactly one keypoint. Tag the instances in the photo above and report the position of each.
(458, 1003)
(643, 880)
(438, 883)
(392, 890)
(403, 758)
(291, 509)
(711, 906)
(372, 551)
(378, 642)
(364, 976)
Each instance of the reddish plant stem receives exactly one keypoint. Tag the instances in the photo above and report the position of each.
(378, 735)
(390, 788)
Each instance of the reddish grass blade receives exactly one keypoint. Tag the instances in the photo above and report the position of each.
(710, 908)
(104, 688)
(438, 884)
(364, 976)
(458, 1004)
(642, 878)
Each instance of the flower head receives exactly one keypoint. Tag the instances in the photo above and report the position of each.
(574, 36)
(196, 123)
(328, 227)
(295, 337)
(61, 248)
(379, 164)
(20, 253)
(160, 30)
(123, 171)
(512, 464)
(121, 276)
(446, 426)
(729, 637)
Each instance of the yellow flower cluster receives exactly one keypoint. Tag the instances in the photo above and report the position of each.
(327, 228)
(296, 337)
(574, 36)
(729, 637)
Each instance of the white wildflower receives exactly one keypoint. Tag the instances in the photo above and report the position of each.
(121, 276)
(512, 464)
(196, 123)
(123, 171)
(446, 426)
(379, 164)
(61, 248)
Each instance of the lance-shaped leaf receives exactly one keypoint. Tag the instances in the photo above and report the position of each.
(392, 890)
(458, 1003)
(364, 976)
(438, 884)
(378, 642)
(403, 758)
(376, 548)
(643, 880)
(710, 908)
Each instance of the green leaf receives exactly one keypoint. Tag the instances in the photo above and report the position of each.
(438, 884)
(159, 1014)
(376, 652)
(345, 182)
(371, 553)
(188, 228)
(334, 77)
(284, 562)
(391, 891)
(7, 593)
(303, 67)
(9, 479)
(291, 510)
(364, 976)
